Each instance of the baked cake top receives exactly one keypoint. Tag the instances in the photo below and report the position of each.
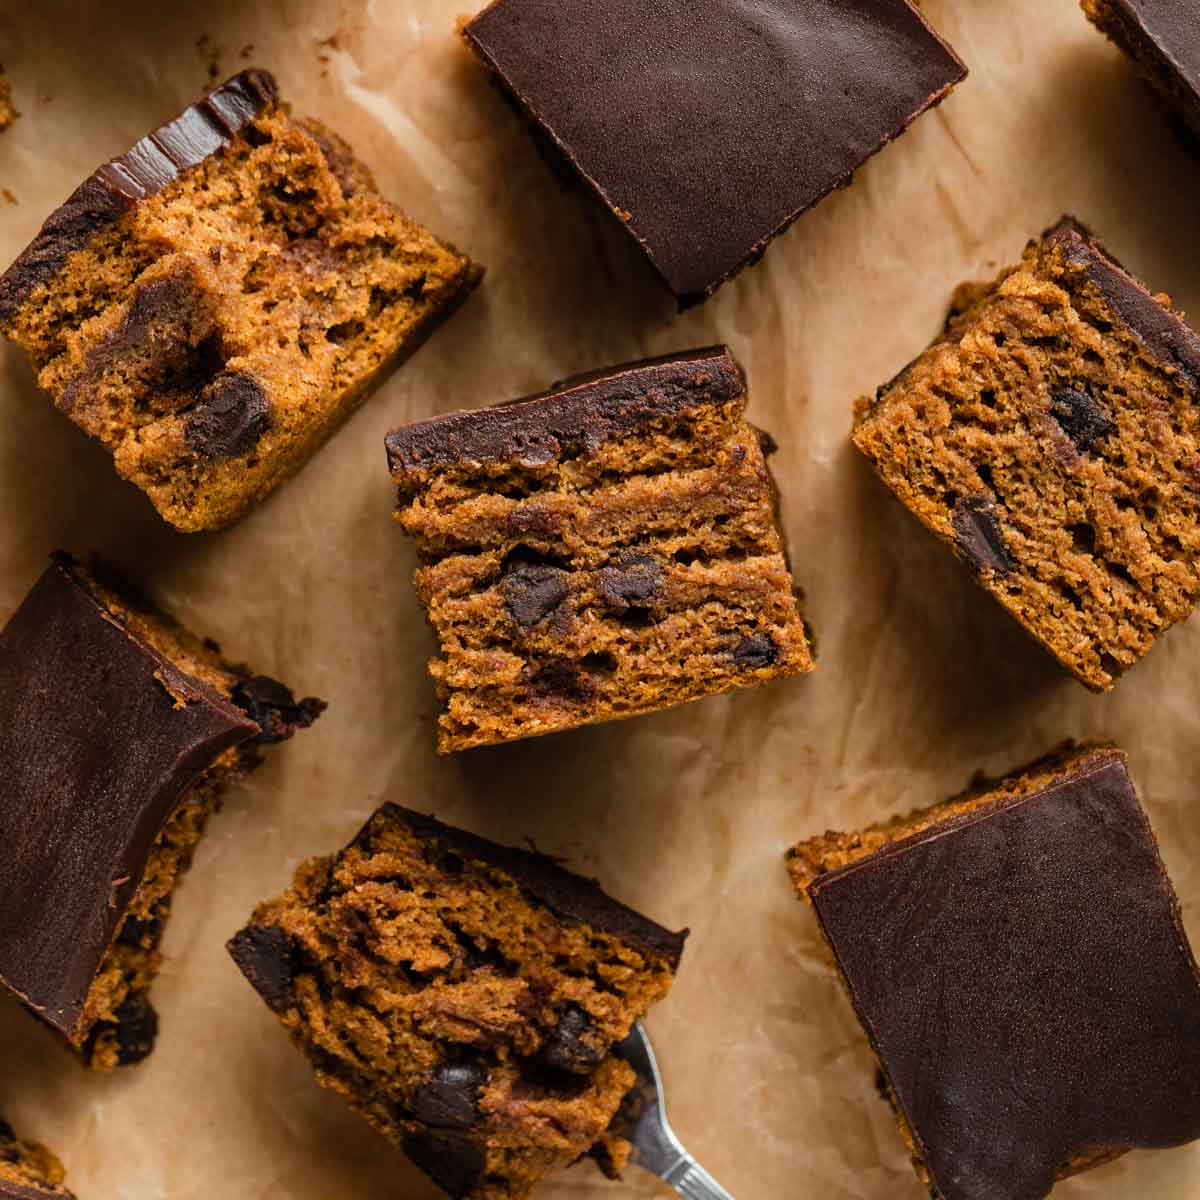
(100, 735)
(1026, 983)
(708, 126)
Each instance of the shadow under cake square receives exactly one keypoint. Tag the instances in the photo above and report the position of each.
(603, 550)
(463, 997)
(1051, 438)
(1017, 959)
(119, 733)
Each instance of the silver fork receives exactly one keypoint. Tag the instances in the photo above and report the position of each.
(643, 1122)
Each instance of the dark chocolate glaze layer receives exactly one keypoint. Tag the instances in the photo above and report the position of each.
(1164, 37)
(149, 166)
(708, 126)
(1026, 983)
(580, 413)
(100, 736)
(1163, 332)
(569, 895)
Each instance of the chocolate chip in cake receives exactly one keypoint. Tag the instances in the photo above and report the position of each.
(633, 581)
(978, 537)
(137, 1027)
(230, 417)
(274, 707)
(568, 1047)
(448, 1100)
(454, 1161)
(532, 590)
(140, 931)
(1081, 418)
(268, 958)
(754, 652)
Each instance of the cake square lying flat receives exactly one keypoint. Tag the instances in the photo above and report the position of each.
(708, 126)
(462, 996)
(608, 548)
(1017, 959)
(1051, 437)
(1163, 39)
(212, 304)
(119, 732)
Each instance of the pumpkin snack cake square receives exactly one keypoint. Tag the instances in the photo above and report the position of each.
(462, 996)
(119, 733)
(608, 548)
(212, 304)
(1017, 960)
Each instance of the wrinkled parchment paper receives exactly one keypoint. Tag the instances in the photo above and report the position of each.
(684, 814)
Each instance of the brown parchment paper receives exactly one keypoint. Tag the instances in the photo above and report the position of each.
(684, 814)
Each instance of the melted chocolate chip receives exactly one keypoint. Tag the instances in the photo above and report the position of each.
(274, 708)
(137, 1027)
(978, 537)
(563, 678)
(454, 1161)
(532, 591)
(448, 1100)
(632, 581)
(230, 417)
(269, 959)
(1082, 419)
(139, 931)
(754, 652)
(568, 1049)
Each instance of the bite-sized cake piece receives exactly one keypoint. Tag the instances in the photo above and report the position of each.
(1017, 960)
(707, 126)
(1051, 437)
(462, 996)
(213, 303)
(119, 732)
(28, 1171)
(8, 114)
(602, 550)
(1163, 38)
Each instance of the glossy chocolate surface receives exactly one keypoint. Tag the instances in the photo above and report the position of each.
(100, 736)
(708, 126)
(1026, 984)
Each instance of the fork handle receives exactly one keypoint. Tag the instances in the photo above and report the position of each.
(693, 1182)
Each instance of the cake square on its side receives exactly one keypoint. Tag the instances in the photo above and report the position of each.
(1017, 960)
(1051, 437)
(1163, 39)
(28, 1171)
(213, 303)
(608, 548)
(119, 732)
(463, 997)
(706, 127)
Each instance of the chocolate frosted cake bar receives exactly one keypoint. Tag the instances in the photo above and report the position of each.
(463, 997)
(707, 126)
(28, 1171)
(603, 550)
(1017, 960)
(1051, 437)
(119, 731)
(1163, 38)
(213, 303)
